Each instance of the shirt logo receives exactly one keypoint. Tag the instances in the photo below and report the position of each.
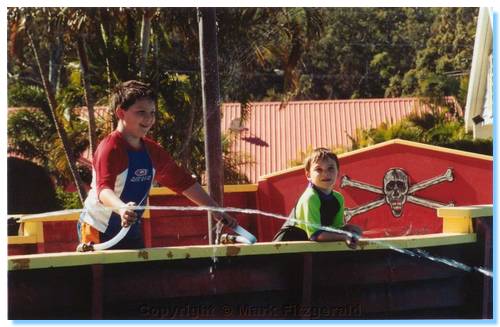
(141, 172)
(141, 175)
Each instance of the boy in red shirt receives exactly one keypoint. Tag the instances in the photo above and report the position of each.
(124, 166)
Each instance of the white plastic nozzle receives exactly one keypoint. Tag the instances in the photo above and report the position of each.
(246, 234)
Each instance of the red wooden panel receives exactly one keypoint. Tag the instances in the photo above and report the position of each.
(473, 184)
(171, 228)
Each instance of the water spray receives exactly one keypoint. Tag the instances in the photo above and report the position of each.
(247, 238)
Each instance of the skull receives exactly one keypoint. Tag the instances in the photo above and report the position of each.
(396, 189)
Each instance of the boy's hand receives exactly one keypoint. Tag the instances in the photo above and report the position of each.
(352, 241)
(353, 229)
(128, 216)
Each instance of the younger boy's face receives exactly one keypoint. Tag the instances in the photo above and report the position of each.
(323, 174)
(138, 118)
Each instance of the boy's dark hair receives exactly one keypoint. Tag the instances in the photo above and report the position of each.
(125, 94)
(320, 154)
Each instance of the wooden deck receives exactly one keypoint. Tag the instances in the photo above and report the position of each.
(290, 280)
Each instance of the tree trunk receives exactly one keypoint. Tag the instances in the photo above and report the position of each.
(59, 128)
(156, 76)
(211, 109)
(103, 17)
(56, 50)
(147, 15)
(84, 64)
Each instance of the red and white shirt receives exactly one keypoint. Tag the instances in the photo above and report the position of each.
(129, 173)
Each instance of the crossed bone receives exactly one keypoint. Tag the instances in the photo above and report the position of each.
(349, 213)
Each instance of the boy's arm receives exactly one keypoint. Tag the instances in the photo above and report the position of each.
(109, 199)
(180, 181)
(199, 196)
(326, 236)
(351, 240)
(312, 212)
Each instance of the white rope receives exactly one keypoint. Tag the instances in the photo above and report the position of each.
(251, 239)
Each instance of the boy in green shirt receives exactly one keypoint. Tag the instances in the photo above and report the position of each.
(319, 206)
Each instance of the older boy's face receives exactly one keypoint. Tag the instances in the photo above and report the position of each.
(139, 118)
(323, 174)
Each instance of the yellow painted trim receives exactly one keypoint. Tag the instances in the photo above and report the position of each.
(474, 211)
(63, 215)
(387, 143)
(34, 229)
(147, 212)
(12, 240)
(237, 188)
(227, 189)
(161, 191)
(68, 259)
(457, 225)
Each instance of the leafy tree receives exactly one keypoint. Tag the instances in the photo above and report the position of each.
(436, 128)
(442, 66)
(265, 54)
(33, 19)
(29, 134)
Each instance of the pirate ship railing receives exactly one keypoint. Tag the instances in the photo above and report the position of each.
(250, 281)
(289, 280)
(31, 229)
(56, 231)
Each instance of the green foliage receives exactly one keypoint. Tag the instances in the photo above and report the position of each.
(482, 146)
(365, 52)
(265, 54)
(233, 161)
(436, 128)
(67, 200)
(30, 135)
(22, 95)
(447, 57)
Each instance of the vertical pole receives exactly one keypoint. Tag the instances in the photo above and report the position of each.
(307, 280)
(483, 229)
(211, 109)
(97, 296)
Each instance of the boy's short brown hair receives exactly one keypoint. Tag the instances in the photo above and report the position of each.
(320, 154)
(125, 94)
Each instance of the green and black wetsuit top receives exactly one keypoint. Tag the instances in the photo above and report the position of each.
(314, 209)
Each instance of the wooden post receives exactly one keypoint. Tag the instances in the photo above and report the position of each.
(96, 289)
(484, 231)
(461, 220)
(307, 280)
(146, 228)
(211, 107)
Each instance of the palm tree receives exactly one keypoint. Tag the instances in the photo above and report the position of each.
(295, 30)
(147, 16)
(28, 20)
(78, 21)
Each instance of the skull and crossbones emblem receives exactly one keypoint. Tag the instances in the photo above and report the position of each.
(395, 192)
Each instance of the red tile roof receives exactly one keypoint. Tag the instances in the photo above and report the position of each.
(101, 113)
(274, 134)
